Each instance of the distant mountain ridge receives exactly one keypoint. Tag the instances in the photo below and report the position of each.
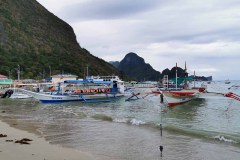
(135, 67)
(35, 39)
(115, 63)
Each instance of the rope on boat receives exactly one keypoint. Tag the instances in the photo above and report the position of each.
(232, 95)
(146, 95)
(93, 100)
(225, 92)
(218, 88)
(133, 95)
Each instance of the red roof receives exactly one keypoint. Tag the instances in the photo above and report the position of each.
(2, 76)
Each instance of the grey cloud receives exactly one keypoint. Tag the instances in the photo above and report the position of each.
(107, 9)
(225, 34)
(134, 25)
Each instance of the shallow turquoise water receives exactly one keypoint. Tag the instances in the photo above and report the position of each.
(206, 128)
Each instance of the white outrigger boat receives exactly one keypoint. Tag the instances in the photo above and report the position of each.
(176, 97)
(11, 93)
(93, 89)
(179, 96)
(20, 96)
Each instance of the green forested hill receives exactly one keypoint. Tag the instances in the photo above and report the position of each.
(35, 39)
(135, 67)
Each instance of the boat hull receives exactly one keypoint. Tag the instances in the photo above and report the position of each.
(56, 98)
(20, 96)
(81, 98)
(174, 98)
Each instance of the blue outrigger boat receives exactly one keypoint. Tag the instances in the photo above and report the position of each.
(89, 90)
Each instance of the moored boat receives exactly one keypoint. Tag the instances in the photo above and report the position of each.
(20, 96)
(174, 98)
(227, 82)
(90, 90)
(182, 95)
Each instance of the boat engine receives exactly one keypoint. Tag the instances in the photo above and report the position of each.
(7, 94)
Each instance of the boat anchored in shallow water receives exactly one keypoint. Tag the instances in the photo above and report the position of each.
(176, 97)
(20, 96)
(15, 95)
(182, 95)
(89, 90)
(227, 82)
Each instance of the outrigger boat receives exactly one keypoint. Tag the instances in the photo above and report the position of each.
(178, 96)
(89, 90)
(20, 96)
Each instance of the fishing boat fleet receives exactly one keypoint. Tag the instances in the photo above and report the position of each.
(92, 89)
(104, 88)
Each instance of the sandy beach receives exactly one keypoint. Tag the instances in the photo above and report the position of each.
(37, 149)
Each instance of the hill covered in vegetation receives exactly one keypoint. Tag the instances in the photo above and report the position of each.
(37, 41)
(135, 67)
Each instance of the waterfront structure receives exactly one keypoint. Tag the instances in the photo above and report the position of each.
(63, 77)
(5, 82)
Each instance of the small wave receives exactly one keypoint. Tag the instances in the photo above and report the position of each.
(102, 117)
(120, 120)
(71, 112)
(132, 121)
(137, 122)
(222, 138)
(229, 138)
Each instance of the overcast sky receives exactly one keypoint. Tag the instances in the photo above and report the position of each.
(204, 33)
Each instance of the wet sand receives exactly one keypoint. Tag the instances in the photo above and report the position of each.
(37, 149)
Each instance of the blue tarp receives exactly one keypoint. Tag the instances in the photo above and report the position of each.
(102, 82)
(181, 79)
(77, 81)
(87, 82)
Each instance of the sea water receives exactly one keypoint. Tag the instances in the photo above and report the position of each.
(205, 128)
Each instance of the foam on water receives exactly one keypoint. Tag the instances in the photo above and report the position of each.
(222, 138)
(120, 120)
(131, 121)
(69, 111)
(137, 122)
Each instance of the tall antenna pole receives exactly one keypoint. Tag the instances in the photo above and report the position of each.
(185, 76)
(194, 80)
(18, 72)
(50, 71)
(176, 75)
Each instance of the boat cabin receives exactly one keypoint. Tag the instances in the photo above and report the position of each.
(63, 77)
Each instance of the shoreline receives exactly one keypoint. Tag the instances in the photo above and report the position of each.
(37, 149)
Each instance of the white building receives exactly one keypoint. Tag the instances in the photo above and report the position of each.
(63, 77)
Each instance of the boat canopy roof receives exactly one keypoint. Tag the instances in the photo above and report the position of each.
(85, 81)
(181, 79)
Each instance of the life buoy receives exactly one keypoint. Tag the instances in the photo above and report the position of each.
(77, 91)
(51, 88)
